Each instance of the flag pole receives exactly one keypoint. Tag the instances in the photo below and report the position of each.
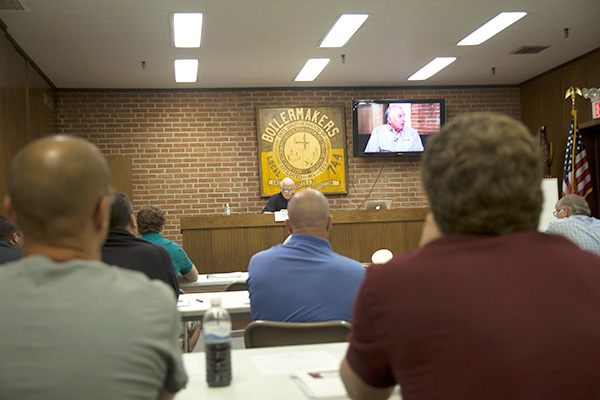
(574, 150)
(572, 92)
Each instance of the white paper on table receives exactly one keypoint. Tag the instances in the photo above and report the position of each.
(321, 384)
(286, 363)
(281, 216)
(182, 303)
(223, 275)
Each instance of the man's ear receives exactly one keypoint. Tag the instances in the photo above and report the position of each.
(132, 227)
(133, 221)
(329, 222)
(288, 225)
(102, 214)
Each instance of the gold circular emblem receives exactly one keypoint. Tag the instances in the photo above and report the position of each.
(302, 150)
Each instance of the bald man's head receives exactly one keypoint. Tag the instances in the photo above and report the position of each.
(55, 185)
(308, 212)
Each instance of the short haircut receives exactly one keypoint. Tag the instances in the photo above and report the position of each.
(482, 174)
(120, 211)
(576, 204)
(55, 185)
(308, 208)
(390, 110)
(150, 219)
(7, 228)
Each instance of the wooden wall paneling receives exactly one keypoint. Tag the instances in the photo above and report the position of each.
(4, 151)
(543, 100)
(17, 110)
(225, 247)
(349, 239)
(413, 234)
(542, 103)
(199, 248)
(42, 117)
(581, 74)
(226, 243)
(590, 132)
(121, 174)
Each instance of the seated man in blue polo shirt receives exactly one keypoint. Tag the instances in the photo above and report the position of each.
(304, 280)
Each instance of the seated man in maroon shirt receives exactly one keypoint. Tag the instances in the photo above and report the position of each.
(487, 308)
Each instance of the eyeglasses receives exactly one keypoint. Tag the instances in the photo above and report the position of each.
(556, 212)
(288, 190)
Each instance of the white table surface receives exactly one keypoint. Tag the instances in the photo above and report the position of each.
(237, 303)
(213, 281)
(249, 383)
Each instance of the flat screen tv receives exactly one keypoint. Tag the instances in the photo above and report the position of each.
(402, 133)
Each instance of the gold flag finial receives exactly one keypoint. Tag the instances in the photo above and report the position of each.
(571, 92)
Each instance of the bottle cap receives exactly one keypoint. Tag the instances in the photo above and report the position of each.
(215, 302)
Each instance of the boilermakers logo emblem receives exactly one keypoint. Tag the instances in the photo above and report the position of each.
(301, 145)
(305, 144)
(302, 150)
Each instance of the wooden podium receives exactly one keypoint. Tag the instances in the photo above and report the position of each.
(226, 243)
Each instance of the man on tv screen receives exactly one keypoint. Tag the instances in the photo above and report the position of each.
(394, 136)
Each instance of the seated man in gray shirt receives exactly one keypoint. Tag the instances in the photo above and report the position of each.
(74, 327)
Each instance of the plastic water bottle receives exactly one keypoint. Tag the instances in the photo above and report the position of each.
(227, 209)
(217, 338)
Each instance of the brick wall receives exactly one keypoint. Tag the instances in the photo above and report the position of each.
(194, 151)
(424, 118)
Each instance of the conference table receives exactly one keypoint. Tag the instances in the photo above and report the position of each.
(192, 306)
(266, 373)
(213, 282)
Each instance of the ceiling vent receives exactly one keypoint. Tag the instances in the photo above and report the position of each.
(13, 5)
(529, 50)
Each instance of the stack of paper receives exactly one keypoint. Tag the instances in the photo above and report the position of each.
(321, 384)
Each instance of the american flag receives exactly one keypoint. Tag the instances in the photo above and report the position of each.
(576, 180)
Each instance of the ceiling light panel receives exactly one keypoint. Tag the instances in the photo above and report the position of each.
(312, 69)
(344, 28)
(435, 66)
(187, 29)
(186, 70)
(491, 28)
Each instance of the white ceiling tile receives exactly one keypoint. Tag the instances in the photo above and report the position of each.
(264, 43)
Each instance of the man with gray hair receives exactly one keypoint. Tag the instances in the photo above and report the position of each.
(488, 307)
(394, 136)
(279, 201)
(576, 223)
